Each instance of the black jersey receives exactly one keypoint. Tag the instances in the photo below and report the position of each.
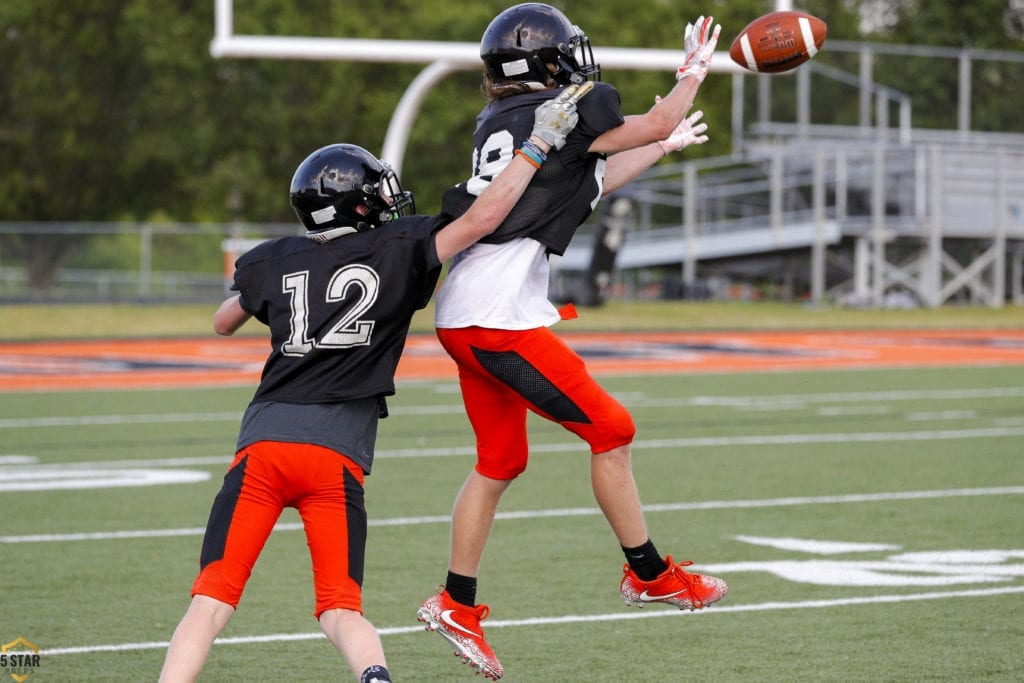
(567, 187)
(338, 312)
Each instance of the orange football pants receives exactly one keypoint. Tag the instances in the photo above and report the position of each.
(266, 477)
(504, 373)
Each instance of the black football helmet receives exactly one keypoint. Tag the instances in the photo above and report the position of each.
(520, 41)
(346, 186)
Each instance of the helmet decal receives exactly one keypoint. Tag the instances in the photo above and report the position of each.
(515, 68)
(345, 186)
(323, 215)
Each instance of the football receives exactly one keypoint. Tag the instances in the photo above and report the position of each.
(778, 41)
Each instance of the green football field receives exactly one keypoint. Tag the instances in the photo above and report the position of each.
(869, 523)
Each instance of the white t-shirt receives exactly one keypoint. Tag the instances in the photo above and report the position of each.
(498, 286)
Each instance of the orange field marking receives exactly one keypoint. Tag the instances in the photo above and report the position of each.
(219, 361)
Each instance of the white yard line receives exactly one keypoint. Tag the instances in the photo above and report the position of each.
(559, 512)
(577, 619)
(100, 420)
(755, 401)
(1012, 429)
(732, 441)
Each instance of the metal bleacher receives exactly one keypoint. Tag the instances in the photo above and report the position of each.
(866, 211)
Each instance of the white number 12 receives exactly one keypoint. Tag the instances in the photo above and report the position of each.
(349, 331)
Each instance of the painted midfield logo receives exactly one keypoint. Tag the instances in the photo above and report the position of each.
(931, 568)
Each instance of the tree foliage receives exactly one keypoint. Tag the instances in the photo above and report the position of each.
(114, 110)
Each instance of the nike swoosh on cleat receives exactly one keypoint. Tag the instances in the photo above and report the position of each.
(654, 598)
(446, 617)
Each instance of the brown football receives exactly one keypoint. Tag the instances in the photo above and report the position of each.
(778, 41)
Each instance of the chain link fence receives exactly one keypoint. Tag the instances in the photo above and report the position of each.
(124, 262)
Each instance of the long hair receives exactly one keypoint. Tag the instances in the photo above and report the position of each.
(499, 90)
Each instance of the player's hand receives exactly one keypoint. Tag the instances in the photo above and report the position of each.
(687, 133)
(554, 119)
(699, 44)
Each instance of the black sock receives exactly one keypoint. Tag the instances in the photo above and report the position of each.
(645, 561)
(375, 674)
(461, 588)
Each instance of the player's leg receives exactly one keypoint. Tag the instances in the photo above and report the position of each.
(472, 518)
(499, 423)
(551, 379)
(453, 611)
(333, 514)
(615, 490)
(560, 388)
(241, 518)
(503, 374)
(190, 644)
(647, 576)
(358, 641)
(590, 412)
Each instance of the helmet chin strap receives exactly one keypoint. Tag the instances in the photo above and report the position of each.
(331, 233)
(567, 74)
(542, 70)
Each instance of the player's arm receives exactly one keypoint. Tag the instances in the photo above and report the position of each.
(552, 122)
(230, 316)
(661, 120)
(625, 166)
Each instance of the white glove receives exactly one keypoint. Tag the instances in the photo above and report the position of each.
(554, 119)
(699, 44)
(687, 133)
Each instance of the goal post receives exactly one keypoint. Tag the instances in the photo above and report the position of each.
(442, 58)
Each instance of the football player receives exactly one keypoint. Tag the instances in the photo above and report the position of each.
(493, 314)
(338, 302)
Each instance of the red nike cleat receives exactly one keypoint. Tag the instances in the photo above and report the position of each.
(460, 626)
(673, 586)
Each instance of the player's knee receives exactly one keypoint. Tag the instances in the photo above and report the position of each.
(621, 429)
(503, 467)
(503, 460)
(337, 617)
(501, 471)
(615, 429)
(515, 470)
(342, 598)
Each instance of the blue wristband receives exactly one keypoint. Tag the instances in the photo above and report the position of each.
(534, 151)
(531, 152)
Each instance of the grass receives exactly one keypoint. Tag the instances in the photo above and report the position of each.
(818, 456)
(76, 321)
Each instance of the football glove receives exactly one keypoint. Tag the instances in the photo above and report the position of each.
(699, 44)
(687, 133)
(554, 119)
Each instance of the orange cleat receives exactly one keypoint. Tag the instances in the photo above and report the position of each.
(673, 586)
(460, 626)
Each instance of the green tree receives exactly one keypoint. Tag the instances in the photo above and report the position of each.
(986, 25)
(63, 112)
(114, 110)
